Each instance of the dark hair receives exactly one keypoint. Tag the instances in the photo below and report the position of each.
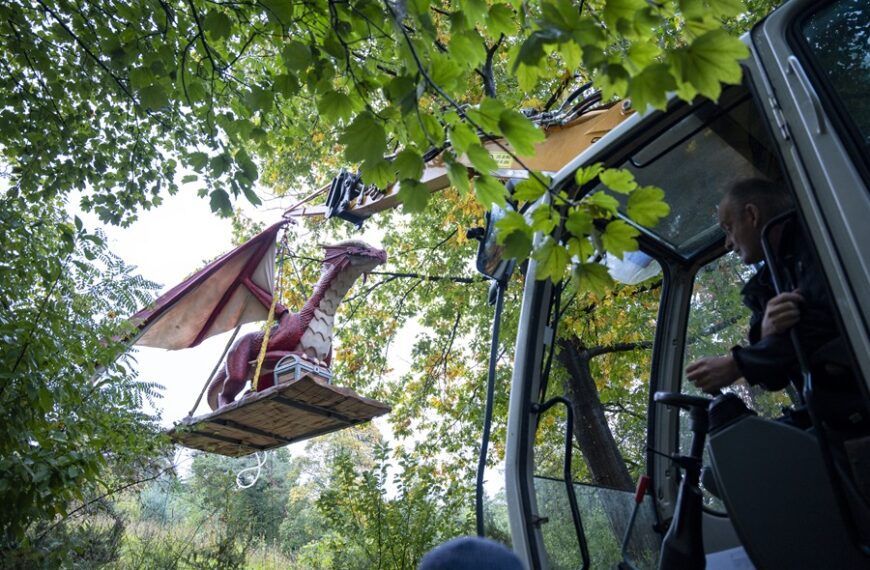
(771, 199)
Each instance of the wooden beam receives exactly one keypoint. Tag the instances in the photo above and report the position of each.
(310, 408)
(249, 429)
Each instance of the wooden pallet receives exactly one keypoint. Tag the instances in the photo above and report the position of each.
(283, 414)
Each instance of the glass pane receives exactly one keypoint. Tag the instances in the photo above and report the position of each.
(602, 366)
(606, 516)
(839, 36)
(696, 160)
(718, 320)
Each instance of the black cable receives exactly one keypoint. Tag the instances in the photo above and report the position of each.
(501, 286)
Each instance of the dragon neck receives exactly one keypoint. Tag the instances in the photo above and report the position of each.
(329, 291)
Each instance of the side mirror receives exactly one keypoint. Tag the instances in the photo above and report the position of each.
(490, 260)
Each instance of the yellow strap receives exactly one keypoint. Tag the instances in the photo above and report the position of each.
(278, 288)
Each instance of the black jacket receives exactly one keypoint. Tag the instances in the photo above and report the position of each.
(771, 362)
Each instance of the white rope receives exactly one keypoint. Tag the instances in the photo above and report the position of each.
(240, 477)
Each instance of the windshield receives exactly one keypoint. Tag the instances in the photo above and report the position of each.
(695, 161)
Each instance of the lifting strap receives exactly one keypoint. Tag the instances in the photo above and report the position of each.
(279, 286)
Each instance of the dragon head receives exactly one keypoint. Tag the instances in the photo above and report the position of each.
(354, 253)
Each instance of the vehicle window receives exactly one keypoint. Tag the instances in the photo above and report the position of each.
(602, 366)
(837, 37)
(718, 320)
(696, 160)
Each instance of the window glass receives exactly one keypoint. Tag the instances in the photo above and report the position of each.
(718, 320)
(602, 365)
(696, 160)
(838, 36)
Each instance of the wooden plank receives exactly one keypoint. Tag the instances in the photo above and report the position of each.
(226, 439)
(249, 429)
(310, 408)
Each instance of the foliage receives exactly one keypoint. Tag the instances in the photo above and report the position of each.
(205, 88)
(371, 529)
(69, 432)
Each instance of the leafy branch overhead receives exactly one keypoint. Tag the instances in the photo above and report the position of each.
(119, 100)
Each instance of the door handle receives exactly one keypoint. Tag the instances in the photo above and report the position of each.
(795, 68)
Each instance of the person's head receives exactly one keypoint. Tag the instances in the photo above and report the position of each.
(745, 209)
(470, 553)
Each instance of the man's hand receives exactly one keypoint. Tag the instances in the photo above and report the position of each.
(782, 313)
(713, 372)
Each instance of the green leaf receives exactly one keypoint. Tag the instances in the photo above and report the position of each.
(650, 87)
(197, 160)
(612, 80)
(458, 175)
(219, 165)
(709, 61)
(364, 139)
(217, 25)
(220, 202)
(616, 10)
(643, 53)
(552, 258)
(527, 76)
(141, 77)
(693, 8)
(154, 97)
(580, 248)
(413, 195)
(335, 105)
(530, 189)
(296, 56)
(509, 223)
(604, 201)
(462, 137)
(579, 222)
(480, 158)
(517, 246)
(594, 278)
(467, 48)
(409, 164)
(189, 178)
(249, 169)
(379, 173)
(474, 10)
(489, 191)
(286, 84)
(587, 174)
(520, 132)
(259, 99)
(487, 115)
(501, 20)
(646, 206)
(571, 54)
(619, 180)
(515, 234)
(545, 219)
(619, 237)
(726, 8)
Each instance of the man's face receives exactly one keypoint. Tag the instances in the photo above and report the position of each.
(742, 226)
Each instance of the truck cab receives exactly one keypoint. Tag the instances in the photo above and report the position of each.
(783, 496)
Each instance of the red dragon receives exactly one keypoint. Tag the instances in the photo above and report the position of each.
(307, 333)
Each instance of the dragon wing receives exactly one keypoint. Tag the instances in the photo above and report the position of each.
(234, 289)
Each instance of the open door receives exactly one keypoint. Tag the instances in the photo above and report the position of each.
(813, 77)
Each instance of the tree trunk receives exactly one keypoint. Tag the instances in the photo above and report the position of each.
(591, 430)
(599, 448)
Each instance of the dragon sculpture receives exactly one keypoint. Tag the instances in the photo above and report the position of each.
(307, 333)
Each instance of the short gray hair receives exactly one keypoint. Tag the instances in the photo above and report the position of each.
(770, 198)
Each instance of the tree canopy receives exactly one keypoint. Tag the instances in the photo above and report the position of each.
(111, 106)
